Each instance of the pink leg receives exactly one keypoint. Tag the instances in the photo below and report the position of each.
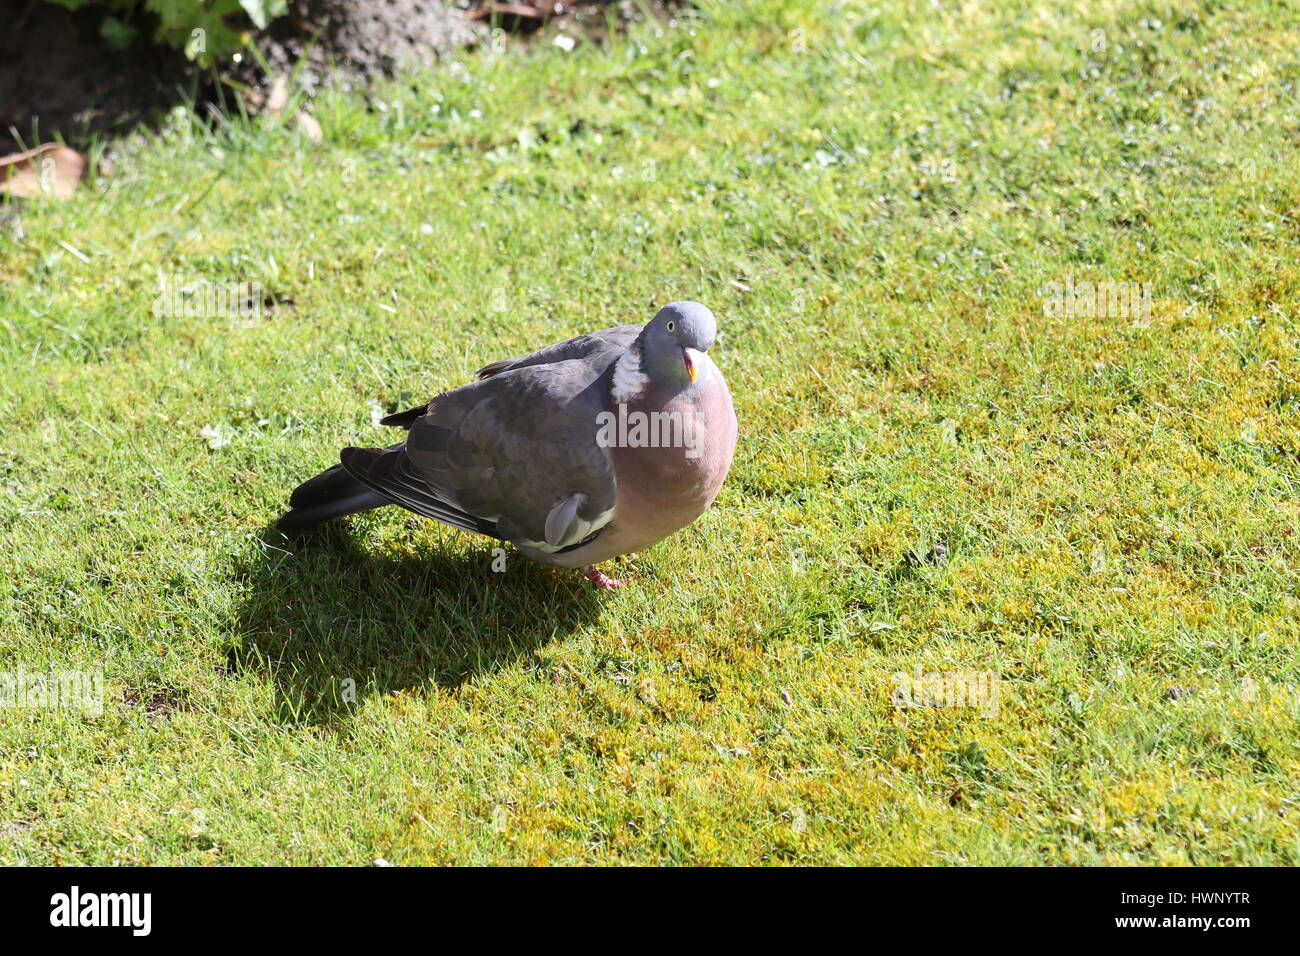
(602, 581)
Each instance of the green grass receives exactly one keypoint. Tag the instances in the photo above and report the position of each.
(872, 198)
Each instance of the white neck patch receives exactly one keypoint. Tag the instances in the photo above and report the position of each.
(629, 380)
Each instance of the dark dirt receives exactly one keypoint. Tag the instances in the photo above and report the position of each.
(57, 75)
(359, 39)
(58, 80)
(157, 702)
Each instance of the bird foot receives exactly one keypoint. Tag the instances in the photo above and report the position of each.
(602, 581)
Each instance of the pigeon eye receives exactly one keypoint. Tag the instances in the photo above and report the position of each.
(671, 326)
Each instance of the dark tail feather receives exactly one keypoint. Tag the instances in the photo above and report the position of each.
(331, 494)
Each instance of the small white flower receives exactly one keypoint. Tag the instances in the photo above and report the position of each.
(217, 436)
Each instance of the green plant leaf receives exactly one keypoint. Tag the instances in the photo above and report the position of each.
(263, 12)
(117, 34)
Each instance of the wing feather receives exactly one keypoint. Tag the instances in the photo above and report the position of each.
(513, 454)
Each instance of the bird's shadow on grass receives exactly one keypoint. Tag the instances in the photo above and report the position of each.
(333, 622)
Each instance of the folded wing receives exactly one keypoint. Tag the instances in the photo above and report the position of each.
(513, 455)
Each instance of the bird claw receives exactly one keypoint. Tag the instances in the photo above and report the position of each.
(602, 581)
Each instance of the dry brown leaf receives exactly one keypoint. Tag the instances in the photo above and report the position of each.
(47, 170)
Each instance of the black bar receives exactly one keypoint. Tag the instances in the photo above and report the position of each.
(219, 905)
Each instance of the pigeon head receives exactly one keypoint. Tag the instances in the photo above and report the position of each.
(674, 339)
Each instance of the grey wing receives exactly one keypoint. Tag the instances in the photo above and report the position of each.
(388, 471)
(515, 453)
(591, 347)
(597, 348)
